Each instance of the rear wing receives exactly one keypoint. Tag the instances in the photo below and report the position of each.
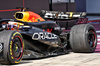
(57, 15)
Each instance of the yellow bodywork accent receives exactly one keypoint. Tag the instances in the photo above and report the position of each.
(25, 16)
(28, 16)
(71, 14)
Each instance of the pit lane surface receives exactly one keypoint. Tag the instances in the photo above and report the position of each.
(71, 59)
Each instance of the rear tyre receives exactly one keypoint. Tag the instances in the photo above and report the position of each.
(13, 46)
(83, 38)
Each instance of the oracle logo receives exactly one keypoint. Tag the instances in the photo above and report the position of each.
(41, 35)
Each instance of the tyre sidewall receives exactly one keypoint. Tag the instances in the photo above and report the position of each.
(79, 41)
(87, 29)
(10, 53)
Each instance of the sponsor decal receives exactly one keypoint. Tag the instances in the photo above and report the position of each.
(48, 30)
(1, 47)
(43, 36)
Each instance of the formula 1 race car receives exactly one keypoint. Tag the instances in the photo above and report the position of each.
(31, 36)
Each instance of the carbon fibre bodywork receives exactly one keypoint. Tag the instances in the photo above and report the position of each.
(41, 38)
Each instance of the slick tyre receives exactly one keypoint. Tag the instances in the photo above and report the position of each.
(13, 47)
(83, 38)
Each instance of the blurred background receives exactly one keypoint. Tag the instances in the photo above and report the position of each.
(92, 7)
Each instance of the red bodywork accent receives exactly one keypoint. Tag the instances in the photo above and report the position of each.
(33, 17)
(48, 30)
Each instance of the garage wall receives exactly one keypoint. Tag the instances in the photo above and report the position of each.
(60, 7)
(10, 4)
(60, 1)
(33, 5)
(64, 7)
(81, 5)
(6, 4)
(93, 6)
(63, 1)
(37, 5)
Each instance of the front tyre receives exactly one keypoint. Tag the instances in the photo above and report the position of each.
(83, 38)
(13, 47)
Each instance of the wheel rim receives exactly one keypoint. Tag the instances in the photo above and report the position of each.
(92, 38)
(17, 48)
